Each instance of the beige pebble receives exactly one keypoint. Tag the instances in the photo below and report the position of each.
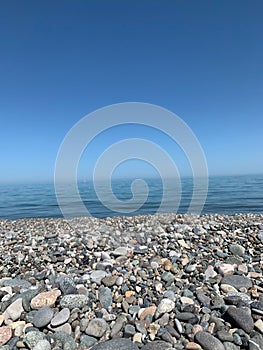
(192, 346)
(45, 299)
(259, 325)
(186, 300)
(137, 338)
(226, 288)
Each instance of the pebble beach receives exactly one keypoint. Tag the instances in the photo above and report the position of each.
(154, 282)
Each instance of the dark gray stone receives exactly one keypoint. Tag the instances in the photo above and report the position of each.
(208, 341)
(242, 317)
(157, 345)
(116, 344)
(237, 281)
(105, 297)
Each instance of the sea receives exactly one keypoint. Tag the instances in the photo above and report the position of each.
(225, 195)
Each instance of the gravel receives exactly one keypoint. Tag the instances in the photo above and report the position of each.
(147, 282)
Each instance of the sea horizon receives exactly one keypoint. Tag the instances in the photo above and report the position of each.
(227, 194)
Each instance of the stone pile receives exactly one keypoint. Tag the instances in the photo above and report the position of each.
(147, 282)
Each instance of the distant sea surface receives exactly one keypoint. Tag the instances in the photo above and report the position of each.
(226, 195)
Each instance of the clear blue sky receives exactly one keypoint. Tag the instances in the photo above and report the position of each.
(61, 60)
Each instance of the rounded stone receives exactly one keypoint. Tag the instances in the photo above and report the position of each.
(42, 345)
(208, 341)
(72, 301)
(96, 327)
(43, 317)
(113, 344)
(61, 317)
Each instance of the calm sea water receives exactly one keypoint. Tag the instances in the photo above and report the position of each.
(227, 195)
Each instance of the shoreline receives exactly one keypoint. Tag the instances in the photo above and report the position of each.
(162, 281)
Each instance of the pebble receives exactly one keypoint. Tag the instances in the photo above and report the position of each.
(61, 317)
(72, 301)
(120, 344)
(14, 310)
(208, 341)
(166, 305)
(242, 317)
(32, 338)
(5, 334)
(105, 297)
(43, 317)
(237, 281)
(45, 299)
(96, 327)
(42, 345)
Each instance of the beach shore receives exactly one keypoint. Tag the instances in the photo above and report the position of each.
(165, 281)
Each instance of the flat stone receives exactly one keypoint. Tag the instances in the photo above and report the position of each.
(120, 251)
(192, 346)
(119, 344)
(109, 281)
(227, 288)
(242, 317)
(226, 269)
(237, 249)
(16, 282)
(117, 326)
(210, 272)
(96, 327)
(45, 299)
(150, 310)
(86, 341)
(166, 305)
(14, 310)
(97, 275)
(65, 327)
(72, 301)
(157, 345)
(208, 341)
(237, 281)
(43, 317)
(5, 334)
(61, 317)
(105, 297)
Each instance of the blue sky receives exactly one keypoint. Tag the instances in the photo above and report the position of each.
(61, 60)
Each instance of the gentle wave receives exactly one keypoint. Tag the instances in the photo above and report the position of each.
(226, 195)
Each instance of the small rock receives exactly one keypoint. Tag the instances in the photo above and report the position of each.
(105, 297)
(14, 310)
(45, 299)
(113, 344)
(61, 317)
(242, 317)
(43, 317)
(208, 341)
(5, 334)
(72, 301)
(42, 345)
(166, 305)
(96, 327)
